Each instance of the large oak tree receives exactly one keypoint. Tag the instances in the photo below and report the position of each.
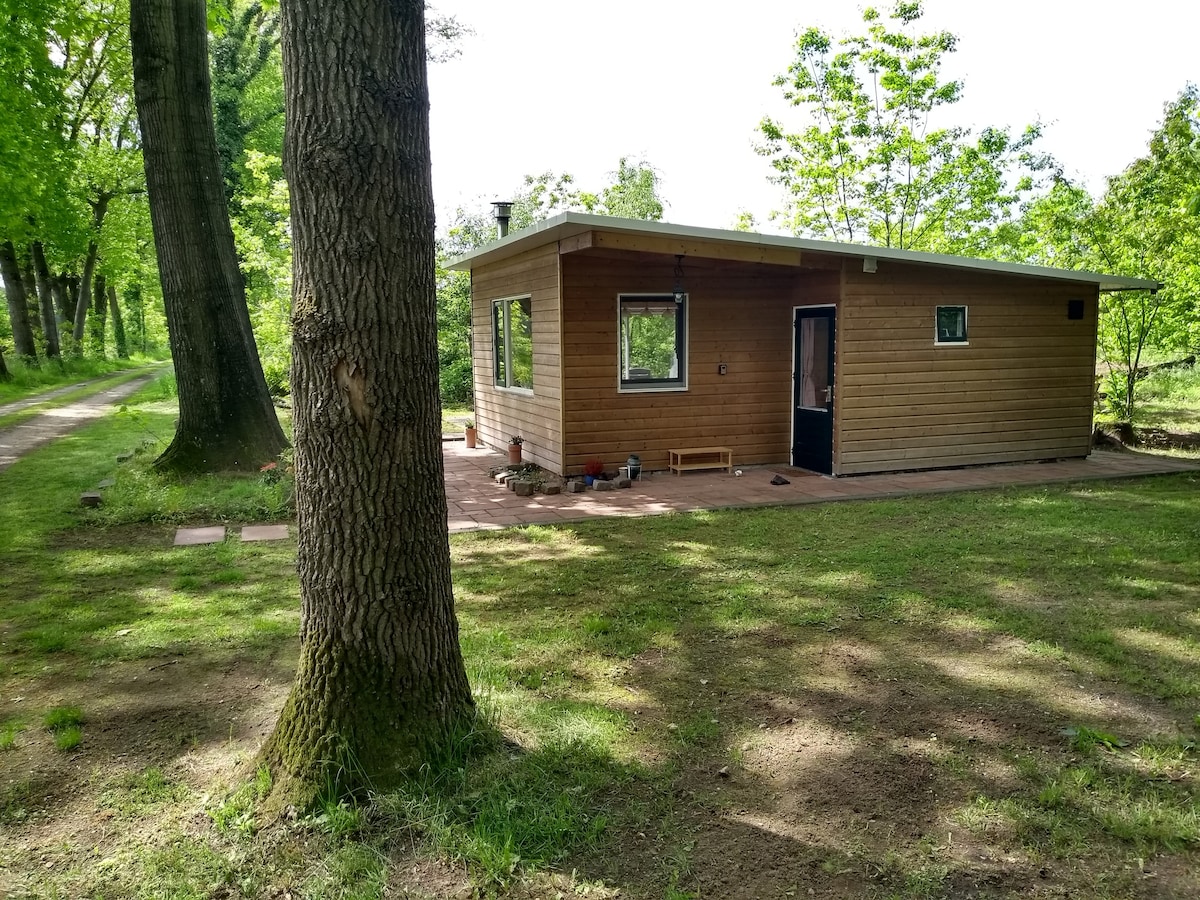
(226, 418)
(381, 681)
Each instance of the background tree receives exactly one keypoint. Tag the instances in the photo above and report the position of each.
(632, 192)
(871, 165)
(226, 419)
(381, 681)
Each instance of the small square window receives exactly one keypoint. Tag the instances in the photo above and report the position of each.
(653, 342)
(951, 325)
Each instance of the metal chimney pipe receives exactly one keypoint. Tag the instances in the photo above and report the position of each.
(503, 209)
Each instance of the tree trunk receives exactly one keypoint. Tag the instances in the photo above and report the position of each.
(18, 306)
(45, 289)
(83, 295)
(118, 323)
(226, 418)
(381, 681)
(29, 282)
(98, 315)
(5, 375)
(66, 312)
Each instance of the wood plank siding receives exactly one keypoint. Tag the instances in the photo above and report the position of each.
(739, 315)
(500, 412)
(1020, 390)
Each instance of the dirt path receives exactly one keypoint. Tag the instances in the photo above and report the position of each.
(52, 424)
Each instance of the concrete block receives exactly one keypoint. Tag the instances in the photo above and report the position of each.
(576, 487)
(523, 488)
(603, 485)
(264, 532)
(623, 482)
(189, 537)
(553, 488)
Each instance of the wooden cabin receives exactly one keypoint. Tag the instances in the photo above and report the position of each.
(596, 338)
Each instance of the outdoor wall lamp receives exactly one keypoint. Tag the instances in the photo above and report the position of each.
(679, 293)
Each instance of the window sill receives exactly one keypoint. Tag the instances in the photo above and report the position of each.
(519, 391)
(952, 343)
(652, 389)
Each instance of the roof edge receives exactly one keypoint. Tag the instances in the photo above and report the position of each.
(568, 224)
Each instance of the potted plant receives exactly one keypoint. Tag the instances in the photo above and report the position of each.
(471, 433)
(514, 449)
(592, 470)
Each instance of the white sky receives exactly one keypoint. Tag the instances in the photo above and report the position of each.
(572, 87)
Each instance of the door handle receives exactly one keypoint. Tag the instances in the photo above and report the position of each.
(829, 394)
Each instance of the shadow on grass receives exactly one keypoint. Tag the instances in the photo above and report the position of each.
(870, 676)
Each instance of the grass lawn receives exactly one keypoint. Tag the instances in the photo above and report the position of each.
(987, 694)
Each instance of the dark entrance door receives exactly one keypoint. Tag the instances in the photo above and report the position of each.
(812, 389)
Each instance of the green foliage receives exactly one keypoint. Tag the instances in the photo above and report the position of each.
(631, 193)
(1142, 228)
(8, 734)
(62, 717)
(870, 165)
(65, 722)
(235, 815)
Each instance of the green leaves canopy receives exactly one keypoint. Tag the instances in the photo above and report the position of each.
(869, 166)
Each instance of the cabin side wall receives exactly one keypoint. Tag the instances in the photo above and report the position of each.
(1021, 389)
(739, 315)
(503, 412)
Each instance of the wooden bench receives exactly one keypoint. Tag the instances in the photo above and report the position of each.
(689, 458)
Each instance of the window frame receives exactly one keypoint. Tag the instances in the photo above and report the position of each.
(951, 342)
(501, 313)
(682, 334)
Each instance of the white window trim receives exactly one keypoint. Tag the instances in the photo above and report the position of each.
(682, 386)
(966, 325)
(507, 388)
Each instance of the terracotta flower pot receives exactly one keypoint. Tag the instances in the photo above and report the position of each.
(514, 454)
(472, 436)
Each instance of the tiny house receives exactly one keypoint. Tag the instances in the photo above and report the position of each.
(596, 338)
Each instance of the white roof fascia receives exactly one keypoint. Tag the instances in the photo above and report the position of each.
(568, 224)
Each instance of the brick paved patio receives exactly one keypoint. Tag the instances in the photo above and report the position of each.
(477, 502)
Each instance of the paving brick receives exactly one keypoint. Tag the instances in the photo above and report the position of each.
(264, 533)
(190, 537)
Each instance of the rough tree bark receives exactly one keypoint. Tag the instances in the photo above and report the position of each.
(18, 305)
(118, 323)
(97, 318)
(226, 418)
(83, 294)
(29, 281)
(381, 681)
(45, 289)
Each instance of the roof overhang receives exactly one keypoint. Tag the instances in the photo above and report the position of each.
(578, 231)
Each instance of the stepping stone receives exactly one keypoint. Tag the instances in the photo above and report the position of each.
(89, 498)
(125, 457)
(264, 533)
(107, 483)
(190, 537)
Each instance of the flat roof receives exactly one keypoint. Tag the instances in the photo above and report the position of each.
(569, 224)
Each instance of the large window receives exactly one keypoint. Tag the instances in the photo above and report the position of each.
(512, 338)
(951, 325)
(653, 342)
